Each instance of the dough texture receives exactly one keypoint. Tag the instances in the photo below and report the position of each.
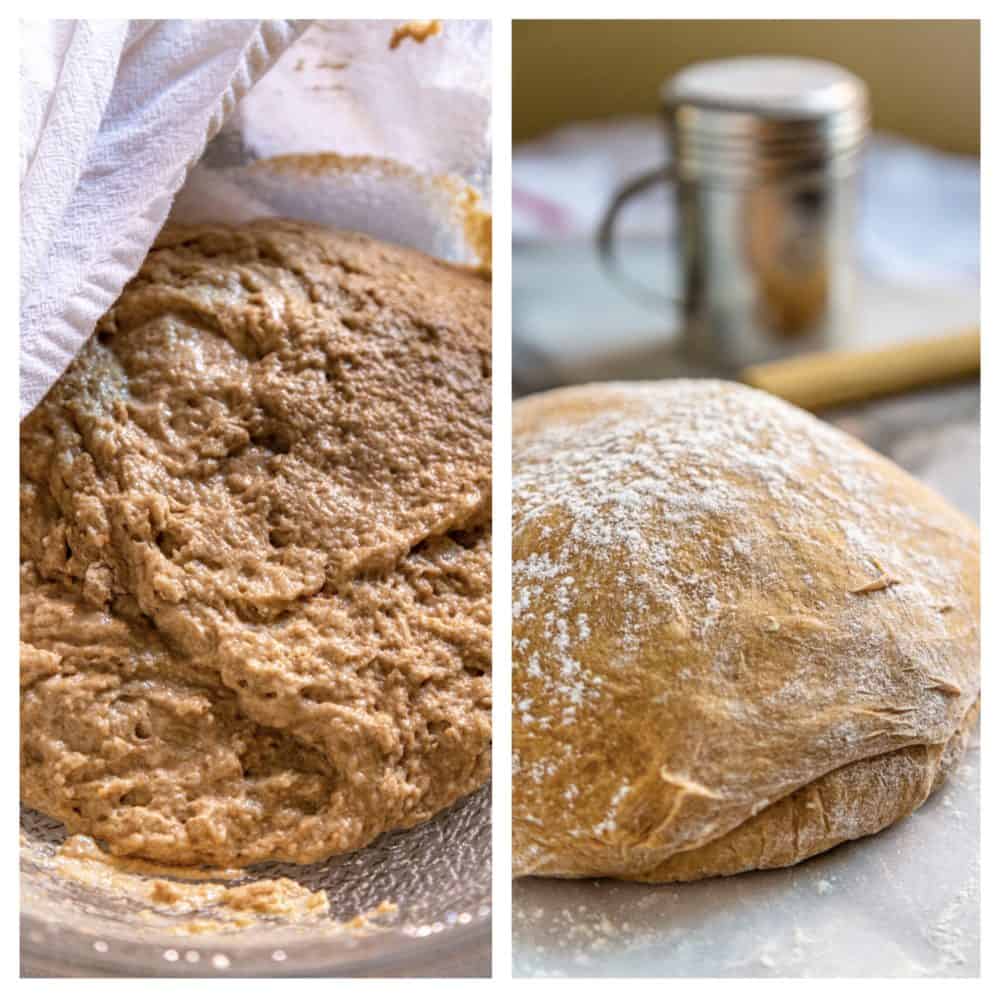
(256, 551)
(740, 637)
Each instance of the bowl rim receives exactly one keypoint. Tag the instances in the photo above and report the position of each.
(56, 948)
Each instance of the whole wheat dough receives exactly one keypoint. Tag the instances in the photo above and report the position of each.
(739, 636)
(256, 551)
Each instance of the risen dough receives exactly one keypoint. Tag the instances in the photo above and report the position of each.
(740, 636)
(256, 551)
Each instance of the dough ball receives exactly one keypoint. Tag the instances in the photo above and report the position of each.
(740, 637)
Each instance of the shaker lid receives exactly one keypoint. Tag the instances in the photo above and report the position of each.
(742, 120)
(768, 86)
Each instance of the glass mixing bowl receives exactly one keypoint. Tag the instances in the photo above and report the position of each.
(437, 874)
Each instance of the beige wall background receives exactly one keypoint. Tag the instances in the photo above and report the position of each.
(923, 75)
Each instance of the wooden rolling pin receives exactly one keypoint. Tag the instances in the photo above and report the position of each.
(816, 381)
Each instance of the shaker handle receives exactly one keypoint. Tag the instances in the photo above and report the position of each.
(606, 237)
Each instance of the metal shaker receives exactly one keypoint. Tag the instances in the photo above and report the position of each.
(764, 160)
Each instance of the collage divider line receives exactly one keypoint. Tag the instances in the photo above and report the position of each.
(501, 195)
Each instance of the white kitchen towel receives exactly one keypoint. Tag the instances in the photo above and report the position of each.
(113, 115)
(366, 126)
(368, 88)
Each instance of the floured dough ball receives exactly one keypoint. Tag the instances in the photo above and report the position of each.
(740, 636)
(255, 551)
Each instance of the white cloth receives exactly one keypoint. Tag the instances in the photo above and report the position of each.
(113, 114)
(116, 122)
(409, 127)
